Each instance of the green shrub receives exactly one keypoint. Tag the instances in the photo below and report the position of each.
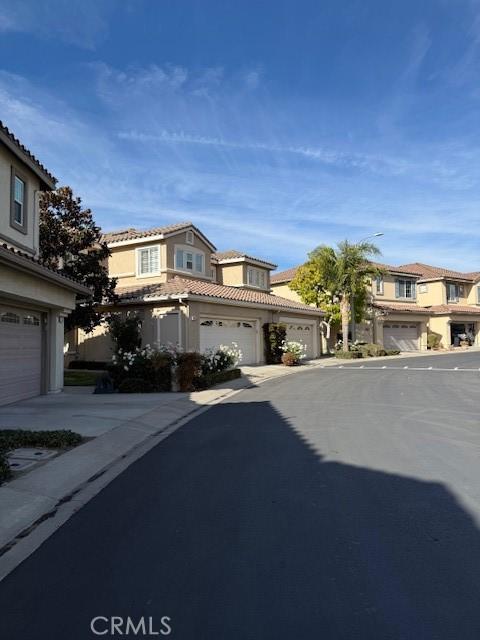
(210, 379)
(136, 385)
(125, 332)
(274, 338)
(5, 471)
(348, 355)
(162, 367)
(189, 367)
(58, 439)
(371, 350)
(392, 352)
(91, 365)
(221, 358)
(433, 340)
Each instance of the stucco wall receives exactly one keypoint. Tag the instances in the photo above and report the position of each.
(28, 241)
(28, 287)
(474, 294)
(123, 261)
(231, 274)
(284, 291)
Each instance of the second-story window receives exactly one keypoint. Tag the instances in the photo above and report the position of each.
(379, 286)
(405, 288)
(454, 292)
(256, 278)
(148, 261)
(18, 202)
(189, 261)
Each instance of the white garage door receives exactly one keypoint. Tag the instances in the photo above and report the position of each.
(214, 332)
(20, 354)
(303, 333)
(401, 336)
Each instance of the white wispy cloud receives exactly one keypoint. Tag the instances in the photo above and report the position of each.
(277, 199)
(83, 23)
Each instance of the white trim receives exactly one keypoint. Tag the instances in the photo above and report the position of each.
(160, 236)
(258, 263)
(127, 274)
(149, 274)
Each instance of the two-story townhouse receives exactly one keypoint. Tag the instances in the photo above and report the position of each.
(34, 300)
(189, 294)
(408, 301)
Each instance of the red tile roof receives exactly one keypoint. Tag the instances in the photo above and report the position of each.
(184, 287)
(26, 155)
(121, 235)
(441, 309)
(284, 276)
(289, 274)
(402, 307)
(429, 272)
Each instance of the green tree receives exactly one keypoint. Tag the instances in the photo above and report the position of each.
(70, 241)
(332, 277)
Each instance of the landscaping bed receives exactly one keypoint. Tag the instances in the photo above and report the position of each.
(366, 350)
(16, 438)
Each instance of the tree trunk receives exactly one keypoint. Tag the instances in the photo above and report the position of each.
(344, 310)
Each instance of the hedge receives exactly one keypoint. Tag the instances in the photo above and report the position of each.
(88, 364)
(348, 355)
(211, 379)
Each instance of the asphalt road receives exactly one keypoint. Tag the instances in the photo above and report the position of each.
(332, 504)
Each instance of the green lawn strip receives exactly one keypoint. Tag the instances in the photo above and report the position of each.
(80, 378)
(16, 438)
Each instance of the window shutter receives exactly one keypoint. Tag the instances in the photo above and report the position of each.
(153, 266)
(397, 288)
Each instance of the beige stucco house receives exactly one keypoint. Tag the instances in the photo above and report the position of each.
(189, 294)
(409, 301)
(34, 300)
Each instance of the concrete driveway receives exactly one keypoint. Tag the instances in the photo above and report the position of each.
(331, 504)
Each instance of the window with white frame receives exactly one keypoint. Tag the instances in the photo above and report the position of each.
(454, 292)
(405, 288)
(148, 261)
(379, 286)
(256, 278)
(478, 295)
(189, 260)
(189, 237)
(19, 201)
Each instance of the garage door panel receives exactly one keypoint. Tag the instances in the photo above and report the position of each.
(215, 332)
(403, 336)
(20, 354)
(303, 333)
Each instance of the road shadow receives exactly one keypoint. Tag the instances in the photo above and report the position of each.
(236, 528)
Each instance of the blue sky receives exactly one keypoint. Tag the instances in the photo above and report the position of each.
(274, 126)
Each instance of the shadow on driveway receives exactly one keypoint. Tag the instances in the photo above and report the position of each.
(236, 528)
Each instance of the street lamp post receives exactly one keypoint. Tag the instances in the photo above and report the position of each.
(352, 301)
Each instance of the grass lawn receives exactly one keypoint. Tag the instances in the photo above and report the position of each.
(80, 378)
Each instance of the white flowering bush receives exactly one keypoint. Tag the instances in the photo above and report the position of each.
(296, 348)
(221, 358)
(142, 369)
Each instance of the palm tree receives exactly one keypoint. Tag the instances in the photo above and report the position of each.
(352, 271)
